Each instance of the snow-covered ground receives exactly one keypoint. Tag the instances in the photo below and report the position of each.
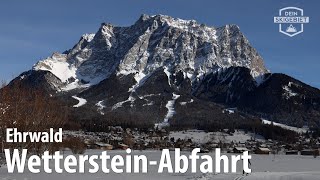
(80, 103)
(265, 167)
(170, 107)
(58, 66)
(298, 130)
(288, 92)
(101, 106)
(264, 176)
(204, 137)
(166, 71)
(171, 111)
(119, 104)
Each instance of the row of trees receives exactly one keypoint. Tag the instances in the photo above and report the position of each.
(29, 110)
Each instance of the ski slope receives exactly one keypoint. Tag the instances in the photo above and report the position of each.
(298, 130)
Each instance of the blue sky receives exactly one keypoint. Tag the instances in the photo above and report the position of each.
(32, 30)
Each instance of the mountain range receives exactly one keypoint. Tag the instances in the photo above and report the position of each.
(168, 71)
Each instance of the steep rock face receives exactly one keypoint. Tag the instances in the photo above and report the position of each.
(153, 42)
(41, 80)
(226, 86)
(284, 99)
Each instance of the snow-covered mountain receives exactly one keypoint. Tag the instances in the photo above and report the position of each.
(164, 70)
(151, 43)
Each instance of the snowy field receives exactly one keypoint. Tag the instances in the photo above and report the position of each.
(265, 167)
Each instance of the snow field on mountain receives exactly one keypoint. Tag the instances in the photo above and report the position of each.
(58, 66)
(288, 91)
(100, 106)
(298, 130)
(170, 107)
(80, 103)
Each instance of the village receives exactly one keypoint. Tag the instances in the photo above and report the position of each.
(153, 139)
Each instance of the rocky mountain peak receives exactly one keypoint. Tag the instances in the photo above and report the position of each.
(151, 43)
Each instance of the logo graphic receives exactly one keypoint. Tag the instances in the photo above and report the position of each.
(291, 21)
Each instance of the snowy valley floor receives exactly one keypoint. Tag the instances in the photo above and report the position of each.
(265, 167)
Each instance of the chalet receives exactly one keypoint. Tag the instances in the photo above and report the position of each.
(214, 145)
(262, 150)
(203, 150)
(91, 144)
(239, 149)
(123, 146)
(104, 146)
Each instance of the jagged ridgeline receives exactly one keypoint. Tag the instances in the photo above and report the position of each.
(163, 70)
